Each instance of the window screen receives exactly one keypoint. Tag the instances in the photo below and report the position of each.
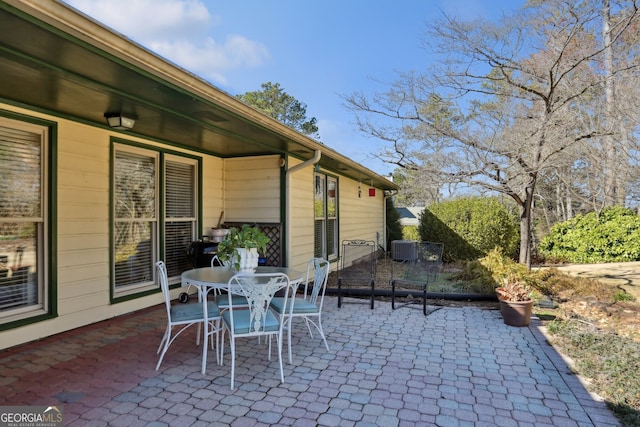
(22, 218)
(135, 217)
(325, 216)
(180, 213)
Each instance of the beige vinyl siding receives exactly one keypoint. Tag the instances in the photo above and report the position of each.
(252, 189)
(82, 235)
(246, 189)
(361, 218)
(83, 220)
(83, 276)
(301, 221)
(212, 192)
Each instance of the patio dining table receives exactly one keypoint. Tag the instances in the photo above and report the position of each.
(207, 278)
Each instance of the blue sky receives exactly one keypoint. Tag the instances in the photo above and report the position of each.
(315, 50)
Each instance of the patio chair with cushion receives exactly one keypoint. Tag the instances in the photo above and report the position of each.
(183, 315)
(257, 319)
(420, 266)
(308, 304)
(220, 297)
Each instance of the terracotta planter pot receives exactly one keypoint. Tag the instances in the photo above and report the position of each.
(516, 313)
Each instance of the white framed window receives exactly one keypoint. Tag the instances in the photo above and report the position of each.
(135, 218)
(180, 207)
(325, 216)
(24, 217)
(155, 205)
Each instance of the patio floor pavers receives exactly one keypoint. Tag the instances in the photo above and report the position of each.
(459, 366)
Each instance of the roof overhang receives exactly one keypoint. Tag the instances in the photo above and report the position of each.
(60, 61)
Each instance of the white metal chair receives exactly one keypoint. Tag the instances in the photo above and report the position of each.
(308, 304)
(183, 315)
(221, 298)
(257, 319)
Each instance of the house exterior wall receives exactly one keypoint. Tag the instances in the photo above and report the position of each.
(246, 189)
(361, 217)
(252, 189)
(83, 246)
(301, 216)
(212, 192)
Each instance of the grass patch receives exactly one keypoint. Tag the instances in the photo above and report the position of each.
(609, 362)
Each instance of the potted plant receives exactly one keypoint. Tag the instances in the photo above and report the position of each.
(241, 247)
(516, 303)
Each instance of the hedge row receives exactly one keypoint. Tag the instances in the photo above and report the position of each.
(470, 227)
(612, 235)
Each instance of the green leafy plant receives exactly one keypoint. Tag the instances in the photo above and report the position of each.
(410, 232)
(622, 296)
(470, 227)
(246, 237)
(612, 235)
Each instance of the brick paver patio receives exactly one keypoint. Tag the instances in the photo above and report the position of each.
(455, 367)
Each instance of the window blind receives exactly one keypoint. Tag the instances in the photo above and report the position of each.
(21, 218)
(180, 218)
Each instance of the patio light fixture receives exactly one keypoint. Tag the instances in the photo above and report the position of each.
(120, 121)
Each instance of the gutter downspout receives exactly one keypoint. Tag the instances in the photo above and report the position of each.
(315, 159)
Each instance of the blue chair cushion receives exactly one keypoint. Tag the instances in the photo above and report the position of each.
(236, 300)
(241, 319)
(300, 306)
(193, 312)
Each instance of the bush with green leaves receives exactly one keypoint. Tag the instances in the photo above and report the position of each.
(491, 270)
(410, 232)
(470, 227)
(394, 229)
(613, 235)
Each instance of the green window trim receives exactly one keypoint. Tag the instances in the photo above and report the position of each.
(28, 153)
(325, 210)
(155, 223)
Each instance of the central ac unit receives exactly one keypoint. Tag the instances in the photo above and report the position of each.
(404, 250)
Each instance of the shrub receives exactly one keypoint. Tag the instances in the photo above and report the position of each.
(470, 227)
(410, 232)
(394, 229)
(611, 236)
(493, 269)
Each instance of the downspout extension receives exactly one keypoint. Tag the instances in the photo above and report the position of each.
(312, 161)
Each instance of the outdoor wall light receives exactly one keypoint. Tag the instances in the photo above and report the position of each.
(120, 121)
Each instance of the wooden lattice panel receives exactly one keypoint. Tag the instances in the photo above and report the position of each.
(274, 233)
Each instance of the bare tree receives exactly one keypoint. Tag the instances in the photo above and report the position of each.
(505, 103)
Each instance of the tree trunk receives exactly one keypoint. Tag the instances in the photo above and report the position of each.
(525, 224)
(610, 187)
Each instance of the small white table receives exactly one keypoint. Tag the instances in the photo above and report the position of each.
(207, 278)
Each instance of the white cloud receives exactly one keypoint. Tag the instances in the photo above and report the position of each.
(210, 59)
(146, 20)
(178, 30)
